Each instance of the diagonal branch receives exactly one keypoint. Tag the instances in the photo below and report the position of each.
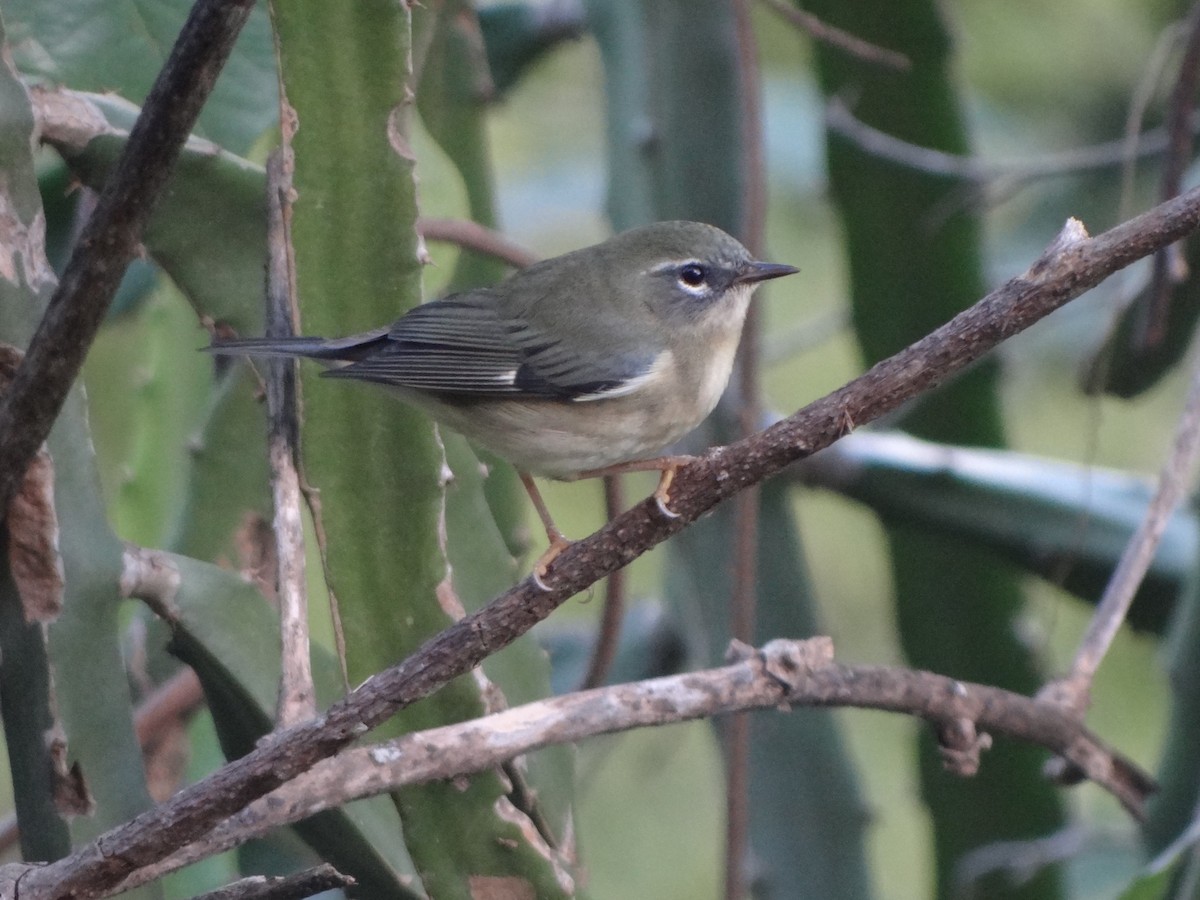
(1072, 264)
(112, 234)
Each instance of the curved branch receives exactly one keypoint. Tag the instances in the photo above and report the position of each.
(976, 169)
(783, 672)
(478, 238)
(1073, 263)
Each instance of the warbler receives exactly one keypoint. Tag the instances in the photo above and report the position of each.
(579, 366)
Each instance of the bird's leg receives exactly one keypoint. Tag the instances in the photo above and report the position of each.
(666, 466)
(558, 542)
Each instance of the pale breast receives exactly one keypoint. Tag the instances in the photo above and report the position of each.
(559, 439)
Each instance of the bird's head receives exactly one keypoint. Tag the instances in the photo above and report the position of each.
(688, 274)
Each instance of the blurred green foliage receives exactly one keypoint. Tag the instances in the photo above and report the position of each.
(556, 122)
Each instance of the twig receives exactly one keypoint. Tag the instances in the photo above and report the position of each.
(608, 632)
(1073, 691)
(308, 883)
(783, 672)
(478, 238)
(839, 120)
(1169, 268)
(110, 238)
(1143, 94)
(836, 37)
(175, 699)
(297, 696)
(1073, 263)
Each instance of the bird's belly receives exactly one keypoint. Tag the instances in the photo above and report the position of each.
(560, 439)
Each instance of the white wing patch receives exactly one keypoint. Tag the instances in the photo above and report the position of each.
(663, 361)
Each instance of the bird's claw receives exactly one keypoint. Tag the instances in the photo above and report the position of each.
(662, 493)
(558, 544)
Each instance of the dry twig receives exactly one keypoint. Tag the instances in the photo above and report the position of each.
(1074, 690)
(781, 673)
(297, 696)
(841, 121)
(822, 31)
(477, 238)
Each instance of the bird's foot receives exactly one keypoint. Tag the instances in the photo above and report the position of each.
(662, 493)
(558, 543)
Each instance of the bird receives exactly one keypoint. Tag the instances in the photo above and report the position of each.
(586, 364)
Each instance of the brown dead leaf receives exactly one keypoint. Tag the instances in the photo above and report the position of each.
(32, 526)
(71, 794)
(500, 887)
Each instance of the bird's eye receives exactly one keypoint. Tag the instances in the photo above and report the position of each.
(692, 275)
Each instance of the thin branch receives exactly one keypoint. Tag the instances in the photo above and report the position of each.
(1072, 264)
(477, 238)
(836, 37)
(110, 238)
(1073, 691)
(839, 120)
(783, 672)
(174, 700)
(608, 632)
(297, 696)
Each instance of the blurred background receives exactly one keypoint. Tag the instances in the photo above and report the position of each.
(556, 123)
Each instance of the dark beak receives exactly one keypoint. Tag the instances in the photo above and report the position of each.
(761, 271)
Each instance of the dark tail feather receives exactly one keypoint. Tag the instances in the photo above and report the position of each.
(347, 349)
(295, 346)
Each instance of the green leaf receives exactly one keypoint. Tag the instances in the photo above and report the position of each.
(226, 476)
(345, 75)
(1065, 522)
(452, 100)
(799, 766)
(223, 628)
(26, 704)
(517, 35)
(87, 668)
(208, 231)
(651, 644)
(1172, 810)
(120, 47)
(914, 261)
(674, 120)
(1132, 360)
(1151, 887)
(26, 689)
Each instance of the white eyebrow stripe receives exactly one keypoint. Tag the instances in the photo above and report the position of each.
(673, 264)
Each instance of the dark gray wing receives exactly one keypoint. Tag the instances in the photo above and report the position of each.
(464, 345)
